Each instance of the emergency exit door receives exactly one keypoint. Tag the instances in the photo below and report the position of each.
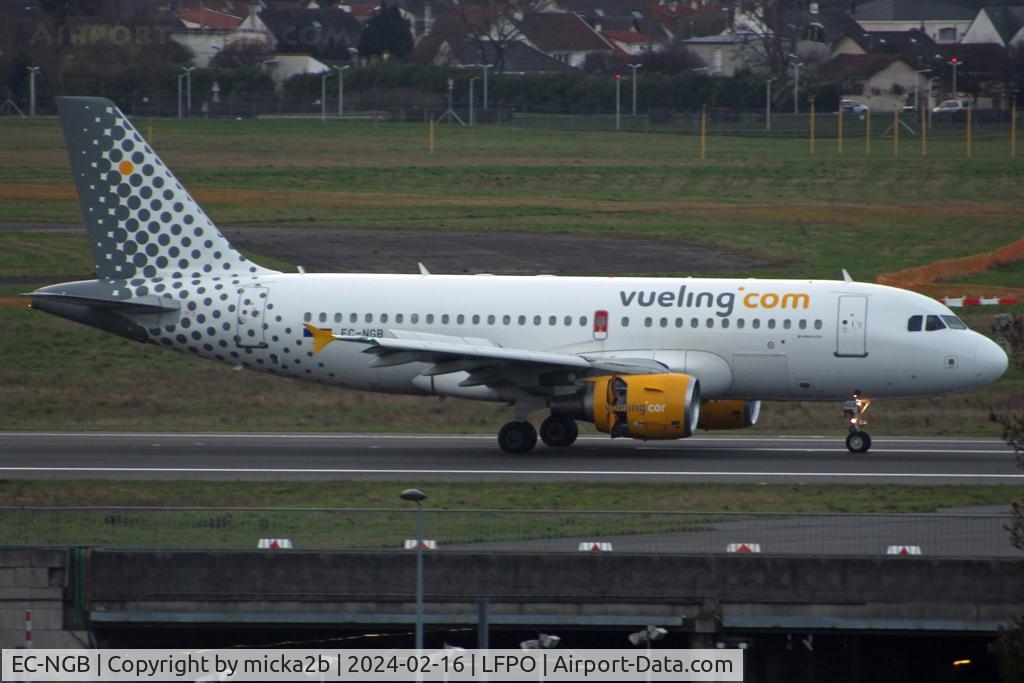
(851, 335)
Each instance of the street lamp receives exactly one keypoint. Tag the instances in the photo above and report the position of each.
(33, 71)
(417, 496)
(634, 67)
(353, 55)
(646, 637)
(955, 63)
(543, 641)
(618, 101)
(472, 118)
(768, 106)
(323, 95)
(188, 85)
(341, 88)
(485, 67)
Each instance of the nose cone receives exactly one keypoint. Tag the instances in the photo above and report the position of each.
(990, 361)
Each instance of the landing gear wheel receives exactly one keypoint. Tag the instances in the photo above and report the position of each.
(558, 431)
(517, 437)
(858, 441)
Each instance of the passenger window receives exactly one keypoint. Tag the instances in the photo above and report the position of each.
(648, 322)
(583, 321)
(490, 320)
(399, 317)
(383, 317)
(308, 317)
(506, 320)
(414, 318)
(756, 323)
(430, 318)
(476, 319)
(914, 324)
(803, 324)
(552, 321)
(740, 323)
(460, 319)
(934, 322)
(536, 320)
(817, 324)
(624, 322)
(679, 322)
(368, 318)
(771, 323)
(568, 320)
(522, 320)
(353, 317)
(711, 323)
(694, 323)
(954, 322)
(337, 317)
(664, 322)
(787, 323)
(444, 318)
(323, 317)
(725, 323)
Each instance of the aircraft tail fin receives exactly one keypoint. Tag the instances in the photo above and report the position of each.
(140, 221)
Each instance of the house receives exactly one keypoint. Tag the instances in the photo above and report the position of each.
(1000, 24)
(726, 53)
(882, 82)
(944, 21)
(207, 26)
(565, 37)
(518, 57)
(916, 47)
(627, 44)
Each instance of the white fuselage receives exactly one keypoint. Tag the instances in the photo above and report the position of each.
(743, 338)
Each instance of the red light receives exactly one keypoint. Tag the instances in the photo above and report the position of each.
(955, 60)
(618, 77)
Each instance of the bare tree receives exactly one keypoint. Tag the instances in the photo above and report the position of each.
(493, 26)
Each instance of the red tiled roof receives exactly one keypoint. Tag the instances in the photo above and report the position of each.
(563, 32)
(625, 36)
(209, 19)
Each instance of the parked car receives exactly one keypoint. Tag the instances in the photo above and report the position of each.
(853, 107)
(949, 106)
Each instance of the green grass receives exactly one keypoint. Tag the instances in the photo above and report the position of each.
(809, 215)
(458, 512)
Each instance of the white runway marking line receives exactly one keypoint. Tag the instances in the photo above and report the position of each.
(610, 473)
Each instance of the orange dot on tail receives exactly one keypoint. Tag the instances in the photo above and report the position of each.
(126, 168)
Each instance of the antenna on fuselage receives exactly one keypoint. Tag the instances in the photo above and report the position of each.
(846, 276)
(423, 269)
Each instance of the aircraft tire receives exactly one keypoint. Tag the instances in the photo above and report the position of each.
(558, 431)
(858, 442)
(517, 437)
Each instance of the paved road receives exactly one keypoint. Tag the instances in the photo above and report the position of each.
(477, 458)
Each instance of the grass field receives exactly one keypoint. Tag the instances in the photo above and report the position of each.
(811, 215)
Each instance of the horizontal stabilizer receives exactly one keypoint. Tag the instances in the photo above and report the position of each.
(143, 304)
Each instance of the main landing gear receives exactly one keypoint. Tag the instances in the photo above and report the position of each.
(857, 441)
(520, 437)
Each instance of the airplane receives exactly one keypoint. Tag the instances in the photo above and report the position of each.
(640, 358)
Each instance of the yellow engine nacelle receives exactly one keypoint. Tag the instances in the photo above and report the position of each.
(646, 406)
(729, 414)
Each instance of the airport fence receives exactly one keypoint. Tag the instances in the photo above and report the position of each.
(549, 531)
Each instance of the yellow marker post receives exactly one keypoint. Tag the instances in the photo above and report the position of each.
(924, 132)
(1013, 129)
(430, 135)
(896, 131)
(867, 133)
(969, 112)
(812, 126)
(703, 132)
(839, 128)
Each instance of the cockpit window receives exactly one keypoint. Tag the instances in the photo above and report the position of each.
(934, 322)
(914, 324)
(954, 322)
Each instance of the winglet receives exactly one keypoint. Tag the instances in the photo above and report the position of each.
(321, 338)
(423, 269)
(846, 276)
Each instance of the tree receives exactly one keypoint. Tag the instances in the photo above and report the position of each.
(677, 59)
(241, 53)
(386, 32)
(493, 26)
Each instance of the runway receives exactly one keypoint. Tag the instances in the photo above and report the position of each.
(750, 459)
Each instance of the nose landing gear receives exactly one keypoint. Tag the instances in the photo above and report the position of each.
(857, 441)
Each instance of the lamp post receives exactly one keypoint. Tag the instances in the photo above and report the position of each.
(929, 100)
(353, 54)
(180, 107)
(472, 117)
(618, 101)
(646, 637)
(917, 87)
(341, 88)
(33, 71)
(323, 95)
(188, 89)
(796, 86)
(634, 67)
(768, 106)
(417, 496)
(955, 63)
(485, 67)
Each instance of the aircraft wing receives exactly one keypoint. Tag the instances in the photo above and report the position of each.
(485, 361)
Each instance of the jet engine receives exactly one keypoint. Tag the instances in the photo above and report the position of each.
(729, 414)
(663, 406)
